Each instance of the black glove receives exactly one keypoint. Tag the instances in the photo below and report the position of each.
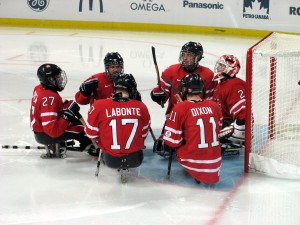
(71, 111)
(158, 95)
(87, 87)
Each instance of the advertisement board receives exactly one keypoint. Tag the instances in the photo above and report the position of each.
(270, 15)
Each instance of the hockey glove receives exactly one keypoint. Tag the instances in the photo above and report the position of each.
(71, 111)
(87, 87)
(161, 148)
(238, 134)
(158, 95)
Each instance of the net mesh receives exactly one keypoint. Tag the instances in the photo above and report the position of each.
(275, 144)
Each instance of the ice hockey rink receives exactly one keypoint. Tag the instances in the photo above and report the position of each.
(66, 191)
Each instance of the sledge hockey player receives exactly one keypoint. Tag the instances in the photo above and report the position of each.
(230, 96)
(189, 58)
(120, 126)
(100, 85)
(192, 127)
(53, 121)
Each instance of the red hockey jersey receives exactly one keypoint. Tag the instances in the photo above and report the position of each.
(119, 127)
(104, 90)
(192, 128)
(230, 96)
(46, 113)
(175, 73)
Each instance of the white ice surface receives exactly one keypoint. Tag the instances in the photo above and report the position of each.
(55, 192)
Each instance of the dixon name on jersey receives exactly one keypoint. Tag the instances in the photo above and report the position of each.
(201, 110)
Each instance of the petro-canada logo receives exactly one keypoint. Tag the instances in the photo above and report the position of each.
(38, 5)
(256, 9)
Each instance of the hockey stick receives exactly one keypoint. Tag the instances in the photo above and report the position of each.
(22, 147)
(157, 71)
(94, 143)
(152, 134)
(170, 162)
(84, 124)
(177, 93)
(71, 149)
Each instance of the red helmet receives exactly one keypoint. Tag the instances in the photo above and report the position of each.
(226, 65)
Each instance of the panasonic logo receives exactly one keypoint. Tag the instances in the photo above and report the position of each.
(203, 5)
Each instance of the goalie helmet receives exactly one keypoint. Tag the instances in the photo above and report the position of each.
(191, 84)
(227, 66)
(194, 48)
(126, 82)
(52, 77)
(113, 58)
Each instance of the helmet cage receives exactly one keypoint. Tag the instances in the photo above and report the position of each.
(61, 80)
(52, 77)
(231, 67)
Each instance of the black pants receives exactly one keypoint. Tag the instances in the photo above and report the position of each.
(45, 139)
(131, 160)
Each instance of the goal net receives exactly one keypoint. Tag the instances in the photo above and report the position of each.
(272, 141)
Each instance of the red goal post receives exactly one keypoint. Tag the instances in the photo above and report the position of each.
(272, 139)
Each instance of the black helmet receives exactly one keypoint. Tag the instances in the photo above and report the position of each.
(126, 82)
(192, 83)
(193, 48)
(52, 77)
(113, 58)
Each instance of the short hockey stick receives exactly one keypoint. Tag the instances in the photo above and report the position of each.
(152, 134)
(170, 162)
(98, 164)
(95, 145)
(157, 71)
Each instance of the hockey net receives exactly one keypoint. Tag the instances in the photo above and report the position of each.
(272, 141)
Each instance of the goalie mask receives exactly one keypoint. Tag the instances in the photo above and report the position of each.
(113, 59)
(126, 82)
(52, 77)
(191, 84)
(191, 48)
(227, 66)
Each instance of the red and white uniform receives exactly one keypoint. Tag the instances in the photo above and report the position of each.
(46, 113)
(193, 127)
(230, 96)
(104, 90)
(175, 73)
(119, 128)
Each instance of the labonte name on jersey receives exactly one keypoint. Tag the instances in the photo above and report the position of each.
(123, 112)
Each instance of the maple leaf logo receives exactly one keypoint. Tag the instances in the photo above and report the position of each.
(35, 97)
(256, 8)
